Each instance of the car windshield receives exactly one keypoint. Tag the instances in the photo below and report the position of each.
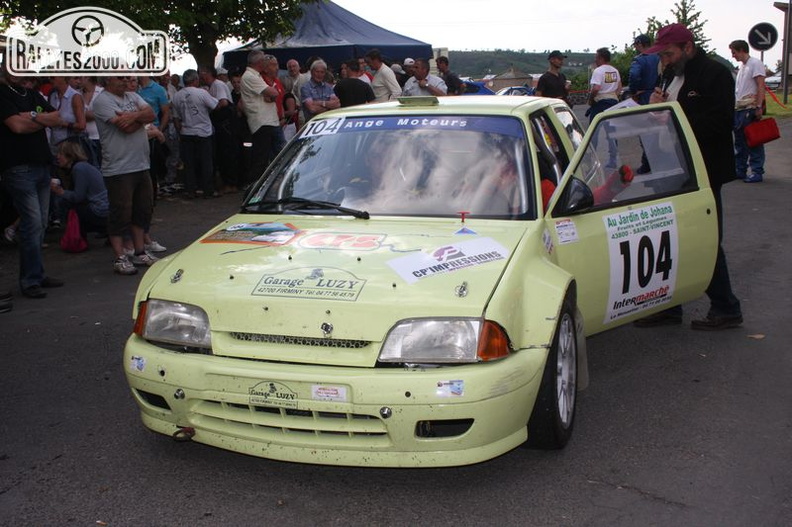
(407, 165)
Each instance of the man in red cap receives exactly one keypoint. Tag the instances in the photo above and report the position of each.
(705, 90)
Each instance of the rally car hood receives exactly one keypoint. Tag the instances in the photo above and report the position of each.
(329, 278)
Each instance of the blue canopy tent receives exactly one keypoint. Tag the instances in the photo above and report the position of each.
(329, 31)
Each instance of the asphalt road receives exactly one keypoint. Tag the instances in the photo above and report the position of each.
(677, 428)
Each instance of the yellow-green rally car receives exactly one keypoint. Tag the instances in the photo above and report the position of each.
(410, 284)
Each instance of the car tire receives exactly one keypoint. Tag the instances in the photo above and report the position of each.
(553, 415)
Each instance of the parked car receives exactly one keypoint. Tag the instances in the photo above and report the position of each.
(773, 82)
(412, 283)
(477, 88)
(516, 90)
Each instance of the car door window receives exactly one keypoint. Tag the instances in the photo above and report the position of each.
(550, 152)
(636, 157)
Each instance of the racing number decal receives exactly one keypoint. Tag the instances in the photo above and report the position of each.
(646, 263)
(642, 250)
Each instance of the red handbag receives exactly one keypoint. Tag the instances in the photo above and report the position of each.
(761, 132)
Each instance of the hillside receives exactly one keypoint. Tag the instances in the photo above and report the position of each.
(477, 64)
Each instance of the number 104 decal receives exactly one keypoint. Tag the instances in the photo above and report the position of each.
(643, 253)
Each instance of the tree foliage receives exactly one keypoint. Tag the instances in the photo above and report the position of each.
(194, 26)
(684, 12)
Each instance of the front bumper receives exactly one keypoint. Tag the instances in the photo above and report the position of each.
(338, 415)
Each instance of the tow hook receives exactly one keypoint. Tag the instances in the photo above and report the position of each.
(184, 433)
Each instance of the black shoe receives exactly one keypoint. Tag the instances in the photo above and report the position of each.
(643, 169)
(663, 318)
(6, 301)
(51, 282)
(34, 291)
(714, 323)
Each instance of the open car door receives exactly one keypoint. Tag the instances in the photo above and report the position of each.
(634, 219)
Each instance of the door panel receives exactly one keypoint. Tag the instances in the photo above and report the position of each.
(646, 238)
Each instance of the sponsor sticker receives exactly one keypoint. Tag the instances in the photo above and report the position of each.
(269, 393)
(316, 283)
(329, 393)
(548, 241)
(448, 258)
(137, 363)
(566, 231)
(450, 388)
(264, 233)
(342, 241)
(644, 256)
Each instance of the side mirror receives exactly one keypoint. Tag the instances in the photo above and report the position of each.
(577, 198)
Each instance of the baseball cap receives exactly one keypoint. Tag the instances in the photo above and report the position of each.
(409, 62)
(396, 68)
(555, 54)
(222, 71)
(642, 39)
(670, 34)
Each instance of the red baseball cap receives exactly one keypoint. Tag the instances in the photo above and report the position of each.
(670, 34)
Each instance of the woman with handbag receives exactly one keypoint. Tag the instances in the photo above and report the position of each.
(88, 195)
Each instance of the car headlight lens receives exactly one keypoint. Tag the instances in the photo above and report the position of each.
(174, 323)
(444, 341)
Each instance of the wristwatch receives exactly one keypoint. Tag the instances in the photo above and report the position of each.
(33, 115)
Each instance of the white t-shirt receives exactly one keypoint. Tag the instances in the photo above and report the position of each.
(608, 79)
(219, 90)
(745, 86)
(191, 106)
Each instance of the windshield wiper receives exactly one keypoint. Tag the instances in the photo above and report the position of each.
(295, 203)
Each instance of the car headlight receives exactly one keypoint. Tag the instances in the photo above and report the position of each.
(444, 341)
(173, 323)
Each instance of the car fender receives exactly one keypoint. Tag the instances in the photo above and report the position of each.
(528, 299)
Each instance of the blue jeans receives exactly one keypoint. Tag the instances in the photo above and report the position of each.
(744, 155)
(29, 188)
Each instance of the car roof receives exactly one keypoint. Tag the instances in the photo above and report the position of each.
(473, 104)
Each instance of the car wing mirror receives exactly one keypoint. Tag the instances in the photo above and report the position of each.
(577, 197)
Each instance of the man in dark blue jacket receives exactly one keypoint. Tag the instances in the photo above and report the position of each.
(643, 71)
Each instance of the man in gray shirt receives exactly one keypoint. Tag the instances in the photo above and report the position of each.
(121, 117)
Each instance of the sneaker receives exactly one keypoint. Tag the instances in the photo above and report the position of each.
(663, 318)
(716, 323)
(122, 265)
(753, 179)
(9, 233)
(144, 259)
(155, 247)
(56, 224)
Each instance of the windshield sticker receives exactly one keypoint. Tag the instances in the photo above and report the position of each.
(642, 246)
(269, 393)
(566, 231)
(448, 258)
(329, 393)
(322, 283)
(342, 241)
(450, 388)
(487, 124)
(265, 233)
(465, 230)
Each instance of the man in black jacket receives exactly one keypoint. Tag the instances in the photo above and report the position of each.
(705, 90)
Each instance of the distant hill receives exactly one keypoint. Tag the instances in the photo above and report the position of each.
(477, 64)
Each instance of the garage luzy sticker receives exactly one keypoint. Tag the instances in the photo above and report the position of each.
(319, 283)
(269, 393)
(643, 252)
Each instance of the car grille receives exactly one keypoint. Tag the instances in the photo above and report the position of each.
(286, 425)
(300, 341)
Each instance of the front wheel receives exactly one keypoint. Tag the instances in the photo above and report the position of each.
(553, 416)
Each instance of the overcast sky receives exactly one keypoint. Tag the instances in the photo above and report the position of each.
(571, 24)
